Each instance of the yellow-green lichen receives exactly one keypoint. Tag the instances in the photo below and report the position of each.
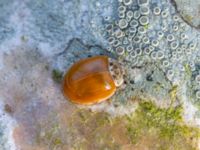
(188, 17)
(50, 136)
(149, 127)
(188, 71)
(95, 130)
(164, 124)
(146, 26)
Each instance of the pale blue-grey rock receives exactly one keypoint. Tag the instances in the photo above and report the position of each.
(161, 56)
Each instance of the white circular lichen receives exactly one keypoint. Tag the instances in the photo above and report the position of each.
(160, 34)
(122, 15)
(155, 43)
(133, 54)
(183, 46)
(119, 34)
(179, 50)
(136, 39)
(144, 10)
(170, 74)
(192, 46)
(151, 48)
(129, 48)
(127, 2)
(145, 40)
(122, 9)
(111, 40)
(123, 23)
(143, 2)
(132, 29)
(141, 30)
(131, 35)
(164, 13)
(147, 51)
(116, 43)
(129, 14)
(154, 55)
(176, 18)
(183, 36)
(165, 63)
(157, 11)
(197, 79)
(134, 23)
(164, 27)
(136, 14)
(120, 50)
(144, 20)
(175, 27)
(174, 45)
(138, 51)
(109, 28)
(160, 55)
(170, 37)
(192, 66)
(153, 33)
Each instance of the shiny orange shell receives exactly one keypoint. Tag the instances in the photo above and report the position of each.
(89, 81)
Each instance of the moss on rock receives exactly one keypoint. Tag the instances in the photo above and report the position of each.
(165, 124)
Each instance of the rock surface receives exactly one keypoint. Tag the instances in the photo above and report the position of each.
(190, 11)
(40, 39)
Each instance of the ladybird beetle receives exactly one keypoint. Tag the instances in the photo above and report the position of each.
(92, 80)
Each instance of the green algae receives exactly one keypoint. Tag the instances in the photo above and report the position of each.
(49, 134)
(164, 123)
(57, 75)
(95, 130)
(173, 93)
(24, 38)
(149, 127)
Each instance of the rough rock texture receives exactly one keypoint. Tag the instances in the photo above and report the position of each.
(190, 11)
(40, 39)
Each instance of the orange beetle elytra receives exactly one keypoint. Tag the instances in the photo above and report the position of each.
(92, 80)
